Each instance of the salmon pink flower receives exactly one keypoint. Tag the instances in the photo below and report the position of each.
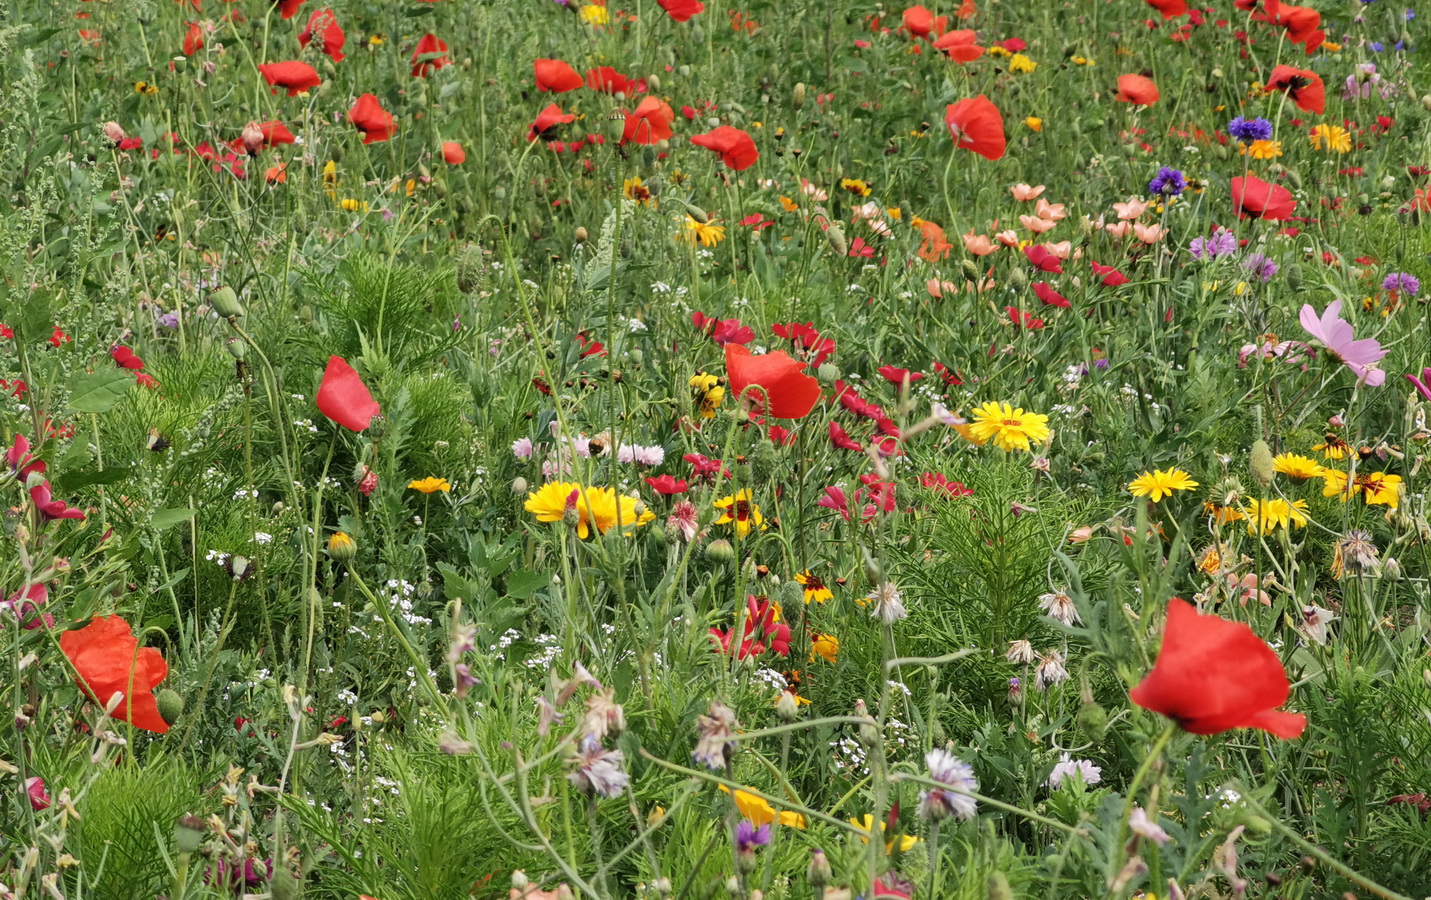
(735, 147)
(1037, 225)
(429, 55)
(343, 397)
(1336, 335)
(296, 76)
(369, 117)
(1132, 209)
(556, 77)
(1137, 89)
(976, 124)
(978, 244)
(1213, 675)
(115, 672)
(1024, 194)
(775, 382)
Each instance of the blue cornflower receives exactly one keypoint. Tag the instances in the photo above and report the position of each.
(1248, 130)
(1168, 181)
(1261, 266)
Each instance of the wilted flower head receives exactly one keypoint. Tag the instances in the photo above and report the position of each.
(1020, 652)
(1059, 606)
(1068, 766)
(713, 745)
(598, 770)
(888, 606)
(1141, 825)
(603, 715)
(1050, 671)
(950, 770)
(1315, 620)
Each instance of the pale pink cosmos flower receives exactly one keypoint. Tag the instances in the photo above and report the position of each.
(1023, 193)
(1132, 209)
(1335, 333)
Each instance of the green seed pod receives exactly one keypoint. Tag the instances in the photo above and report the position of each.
(720, 550)
(828, 373)
(1260, 462)
(226, 303)
(171, 705)
(236, 347)
(836, 238)
(797, 97)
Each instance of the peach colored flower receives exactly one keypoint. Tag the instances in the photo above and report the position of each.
(1119, 229)
(1052, 211)
(1130, 210)
(978, 244)
(1008, 237)
(1037, 225)
(1148, 234)
(1060, 249)
(1023, 193)
(937, 288)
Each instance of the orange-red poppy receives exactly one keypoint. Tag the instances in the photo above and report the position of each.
(1304, 87)
(294, 75)
(369, 117)
(546, 122)
(1303, 24)
(736, 147)
(276, 174)
(193, 39)
(1255, 198)
(934, 247)
(609, 81)
(108, 660)
(556, 77)
(324, 23)
(275, 132)
(424, 63)
(453, 154)
(774, 381)
(287, 9)
(977, 125)
(649, 123)
(959, 45)
(682, 10)
(1137, 89)
(920, 22)
(343, 397)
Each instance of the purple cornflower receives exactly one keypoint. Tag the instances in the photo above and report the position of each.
(748, 837)
(1249, 130)
(1168, 181)
(1403, 282)
(1221, 243)
(168, 320)
(1261, 266)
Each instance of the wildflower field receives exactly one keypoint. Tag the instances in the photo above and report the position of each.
(687, 449)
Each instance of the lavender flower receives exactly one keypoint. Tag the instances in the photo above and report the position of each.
(1261, 266)
(954, 773)
(1404, 282)
(1247, 131)
(1068, 766)
(1168, 181)
(1221, 243)
(1335, 333)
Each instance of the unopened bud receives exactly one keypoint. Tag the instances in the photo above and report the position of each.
(998, 887)
(171, 705)
(519, 485)
(236, 347)
(1260, 462)
(797, 100)
(819, 872)
(828, 373)
(581, 235)
(970, 270)
(189, 833)
(342, 548)
(835, 236)
(720, 550)
(787, 707)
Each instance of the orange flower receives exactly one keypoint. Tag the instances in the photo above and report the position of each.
(649, 124)
(556, 77)
(736, 147)
(1137, 89)
(109, 661)
(977, 125)
(453, 153)
(934, 246)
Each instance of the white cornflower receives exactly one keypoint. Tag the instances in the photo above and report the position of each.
(1068, 766)
(887, 604)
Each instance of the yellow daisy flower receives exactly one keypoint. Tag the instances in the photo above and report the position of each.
(1157, 484)
(1266, 516)
(430, 485)
(1295, 467)
(1008, 428)
(737, 510)
(815, 588)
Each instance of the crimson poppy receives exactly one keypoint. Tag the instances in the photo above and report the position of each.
(805, 336)
(287, 9)
(895, 375)
(682, 10)
(723, 331)
(920, 22)
(556, 77)
(51, 508)
(108, 661)
(609, 81)
(1170, 9)
(275, 132)
(1043, 260)
(1108, 276)
(343, 397)
(736, 147)
(193, 39)
(325, 23)
(424, 62)
(1304, 87)
(977, 125)
(453, 154)
(369, 117)
(667, 485)
(842, 440)
(959, 46)
(1213, 675)
(125, 358)
(1045, 292)
(546, 122)
(294, 75)
(782, 388)
(1256, 199)
(650, 123)
(1022, 319)
(1137, 89)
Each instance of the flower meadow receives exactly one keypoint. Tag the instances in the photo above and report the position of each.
(714, 448)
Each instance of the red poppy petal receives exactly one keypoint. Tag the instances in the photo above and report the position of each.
(344, 398)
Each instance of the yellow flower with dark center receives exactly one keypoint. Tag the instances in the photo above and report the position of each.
(737, 510)
(1160, 483)
(144, 87)
(826, 645)
(709, 394)
(1333, 447)
(1298, 468)
(1334, 136)
(430, 485)
(1261, 149)
(1266, 516)
(1376, 488)
(1021, 65)
(709, 235)
(815, 588)
(377, 40)
(635, 190)
(351, 205)
(855, 186)
(1008, 428)
(996, 50)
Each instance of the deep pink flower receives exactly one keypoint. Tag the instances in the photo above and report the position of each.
(1109, 276)
(50, 508)
(1336, 335)
(667, 485)
(896, 376)
(1043, 260)
(1045, 292)
(841, 439)
(1423, 384)
(835, 499)
(35, 787)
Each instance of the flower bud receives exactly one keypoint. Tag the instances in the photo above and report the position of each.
(835, 236)
(654, 83)
(519, 485)
(787, 707)
(189, 833)
(1260, 462)
(797, 100)
(581, 235)
(969, 270)
(720, 550)
(342, 548)
(818, 873)
(828, 373)
(1018, 279)
(998, 887)
(171, 705)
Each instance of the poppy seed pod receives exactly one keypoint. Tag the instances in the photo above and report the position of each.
(797, 97)
(828, 373)
(835, 237)
(1260, 463)
(226, 303)
(171, 705)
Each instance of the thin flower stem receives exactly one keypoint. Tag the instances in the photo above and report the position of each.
(1138, 777)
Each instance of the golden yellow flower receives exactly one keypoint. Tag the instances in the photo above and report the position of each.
(709, 235)
(1008, 428)
(737, 510)
(634, 189)
(554, 500)
(342, 547)
(1160, 483)
(1376, 488)
(1034, 123)
(1333, 447)
(815, 587)
(1020, 64)
(592, 14)
(855, 186)
(1261, 149)
(1222, 515)
(759, 812)
(1295, 467)
(709, 394)
(1266, 516)
(826, 645)
(906, 841)
(996, 50)
(351, 205)
(430, 485)
(377, 40)
(1336, 137)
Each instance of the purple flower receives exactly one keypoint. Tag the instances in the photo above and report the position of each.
(748, 837)
(1261, 266)
(168, 320)
(1336, 335)
(1168, 181)
(1221, 243)
(1403, 282)
(1249, 130)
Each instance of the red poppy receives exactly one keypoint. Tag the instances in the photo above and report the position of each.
(294, 75)
(275, 132)
(1023, 319)
(1304, 87)
(424, 62)
(193, 39)
(1256, 199)
(453, 154)
(842, 440)
(108, 661)
(895, 375)
(682, 10)
(556, 77)
(736, 147)
(959, 46)
(946, 374)
(546, 122)
(125, 358)
(783, 390)
(1108, 276)
(1170, 9)
(1045, 292)
(1213, 675)
(723, 331)
(760, 614)
(805, 336)
(325, 24)
(287, 9)
(977, 125)
(609, 81)
(369, 117)
(51, 508)
(667, 485)
(649, 124)
(920, 22)
(343, 397)
(1043, 260)
(1303, 25)
(1137, 89)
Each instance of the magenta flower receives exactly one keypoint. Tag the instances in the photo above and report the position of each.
(1336, 335)
(1423, 384)
(49, 507)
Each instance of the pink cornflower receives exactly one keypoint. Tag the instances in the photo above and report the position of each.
(1336, 335)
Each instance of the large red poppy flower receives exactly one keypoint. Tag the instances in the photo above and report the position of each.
(193, 39)
(287, 9)
(775, 381)
(1170, 9)
(343, 397)
(546, 122)
(959, 46)
(275, 132)
(977, 125)
(108, 658)
(1256, 199)
(294, 75)
(369, 117)
(324, 23)
(609, 81)
(649, 124)
(556, 77)
(920, 22)
(682, 10)
(736, 147)
(1304, 87)
(1137, 89)
(1303, 25)
(1213, 675)
(429, 44)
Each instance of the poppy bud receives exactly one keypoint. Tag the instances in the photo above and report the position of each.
(697, 213)
(998, 887)
(787, 707)
(1426, 102)
(171, 705)
(282, 886)
(720, 550)
(1293, 177)
(797, 98)
(835, 236)
(869, 729)
(1019, 279)
(828, 373)
(189, 833)
(1221, 152)
(112, 132)
(1093, 721)
(971, 271)
(654, 83)
(236, 347)
(252, 138)
(1130, 150)
(764, 460)
(1294, 277)
(226, 303)
(683, 70)
(519, 485)
(499, 192)
(1260, 462)
(1391, 569)
(819, 872)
